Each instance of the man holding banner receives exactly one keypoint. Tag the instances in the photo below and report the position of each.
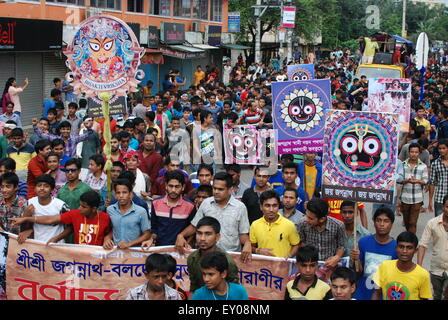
(231, 214)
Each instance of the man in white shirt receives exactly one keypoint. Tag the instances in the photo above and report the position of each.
(44, 205)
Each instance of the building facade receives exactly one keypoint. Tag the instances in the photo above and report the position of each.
(33, 35)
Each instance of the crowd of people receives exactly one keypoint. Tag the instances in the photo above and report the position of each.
(170, 186)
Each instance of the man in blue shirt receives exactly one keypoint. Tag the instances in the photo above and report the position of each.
(214, 267)
(51, 103)
(213, 107)
(373, 250)
(130, 222)
(117, 172)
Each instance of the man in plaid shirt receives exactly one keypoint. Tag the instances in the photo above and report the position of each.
(438, 180)
(64, 133)
(415, 177)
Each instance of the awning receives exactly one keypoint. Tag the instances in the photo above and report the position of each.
(401, 39)
(149, 50)
(182, 52)
(234, 46)
(204, 46)
(186, 49)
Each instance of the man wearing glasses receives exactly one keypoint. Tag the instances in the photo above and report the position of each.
(74, 187)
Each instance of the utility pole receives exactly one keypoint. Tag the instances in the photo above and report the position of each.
(403, 25)
(280, 51)
(258, 33)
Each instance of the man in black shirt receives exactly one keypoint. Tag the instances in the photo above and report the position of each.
(251, 197)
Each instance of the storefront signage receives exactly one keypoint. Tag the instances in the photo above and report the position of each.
(30, 34)
(153, 37)
(172, 33)
(214, 35)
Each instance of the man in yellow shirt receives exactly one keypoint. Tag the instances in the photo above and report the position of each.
(369, 50)
(198, 75)
(422, 121)
(272, 234)
(402, 279)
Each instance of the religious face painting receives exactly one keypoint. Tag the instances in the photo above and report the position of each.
(391, 95)
(298, 110)
(301, 72)
(244, 144)
(360, 154)
(104, 56)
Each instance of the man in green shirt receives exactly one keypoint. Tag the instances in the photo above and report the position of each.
(74, 187)
(207, 235)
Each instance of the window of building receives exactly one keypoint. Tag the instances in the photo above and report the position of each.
(203, 9)
(106, 4)
(160, 7)
(72, 2)
(135, 5)
(194, 9)
(182, 8)
(216, 10)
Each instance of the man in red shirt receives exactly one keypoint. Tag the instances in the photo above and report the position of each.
(37, 165)
(89, 224)
(158, 188)
(335, 211)
(150, 161)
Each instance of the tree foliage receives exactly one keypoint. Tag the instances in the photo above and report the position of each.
(342, 20)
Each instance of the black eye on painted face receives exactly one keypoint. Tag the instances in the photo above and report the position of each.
(94, 46)
(349, 144)
(295, 110)
(249, 142)
(372, 146)
(309, 109)
(237, 141)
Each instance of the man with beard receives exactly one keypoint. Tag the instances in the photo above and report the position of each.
(115, 153)
(170, 214)
(207, 236)
(150, 161)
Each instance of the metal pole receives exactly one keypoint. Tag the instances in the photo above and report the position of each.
(258, 33)
(403, 25)
(280, 51)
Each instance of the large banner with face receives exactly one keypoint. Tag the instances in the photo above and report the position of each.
(104, 56)
(245, 144)
(360, 156)
(393, 96)
(298, 112)
(300, 72)
(36, 271)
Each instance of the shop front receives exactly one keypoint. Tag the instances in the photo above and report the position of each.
(31, 49)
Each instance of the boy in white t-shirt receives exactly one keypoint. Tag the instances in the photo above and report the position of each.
(44, 205)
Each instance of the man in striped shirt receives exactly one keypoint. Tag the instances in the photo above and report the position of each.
(170, 214)
(64, 133)
(415, 177)
(438, 181)
(253, 115)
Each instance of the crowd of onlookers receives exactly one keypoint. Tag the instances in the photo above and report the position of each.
(54, 187)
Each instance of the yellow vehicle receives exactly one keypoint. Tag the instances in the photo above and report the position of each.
(380, 71)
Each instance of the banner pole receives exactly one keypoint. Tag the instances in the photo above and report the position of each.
(355, 242)
(105, 97)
